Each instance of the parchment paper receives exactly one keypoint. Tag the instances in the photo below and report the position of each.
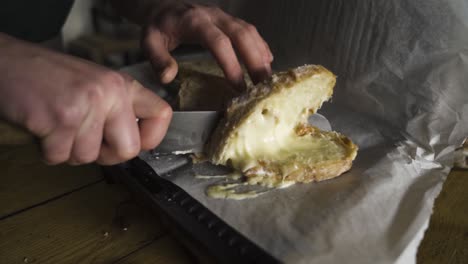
(402, 96)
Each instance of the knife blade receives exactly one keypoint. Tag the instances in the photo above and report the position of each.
(189, 131)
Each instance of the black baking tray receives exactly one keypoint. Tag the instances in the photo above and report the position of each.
(186, 215)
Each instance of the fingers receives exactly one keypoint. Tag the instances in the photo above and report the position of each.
(121, 136)
(220, 46)
(108, 133)
(216, 30)
(87, 143)
(56, 147)
(270, 54)
(154, 116)
(262, 44)
(157, 48)
(236, 28)
(251, 47)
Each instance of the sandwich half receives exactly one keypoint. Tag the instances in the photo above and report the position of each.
(265, 133)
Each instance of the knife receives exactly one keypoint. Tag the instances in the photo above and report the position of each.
(189, 131)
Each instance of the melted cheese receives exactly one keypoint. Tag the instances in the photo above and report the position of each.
(269, 132)
(228, 191)
(266, 135)
(233, 176)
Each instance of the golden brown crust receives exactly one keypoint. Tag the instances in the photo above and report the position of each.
(242, 106)
(306, 173)
(270, 172)
(199, 79)
(309, 172)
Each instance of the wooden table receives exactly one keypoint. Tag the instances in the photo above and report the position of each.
(64, 214)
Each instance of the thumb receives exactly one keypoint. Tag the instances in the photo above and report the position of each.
(154, 115)
(156, 45)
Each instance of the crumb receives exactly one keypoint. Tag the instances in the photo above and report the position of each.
(198, 158)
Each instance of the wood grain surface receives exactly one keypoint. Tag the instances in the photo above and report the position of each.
(92, 225)
(27, 181)
(65, 214)
(446, 239)
(164, 250)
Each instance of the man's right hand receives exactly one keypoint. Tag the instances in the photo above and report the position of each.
(80, 111)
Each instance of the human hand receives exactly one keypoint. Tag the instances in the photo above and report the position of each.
(221, 33)
(80, 111)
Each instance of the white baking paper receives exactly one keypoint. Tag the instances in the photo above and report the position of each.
(401, 95)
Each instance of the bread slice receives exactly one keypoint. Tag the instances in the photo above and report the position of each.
(205, 92)
(202, 86)
(266, 135)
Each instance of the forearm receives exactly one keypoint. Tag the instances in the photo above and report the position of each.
(139, 11)
(10, 48)
(5, 40)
